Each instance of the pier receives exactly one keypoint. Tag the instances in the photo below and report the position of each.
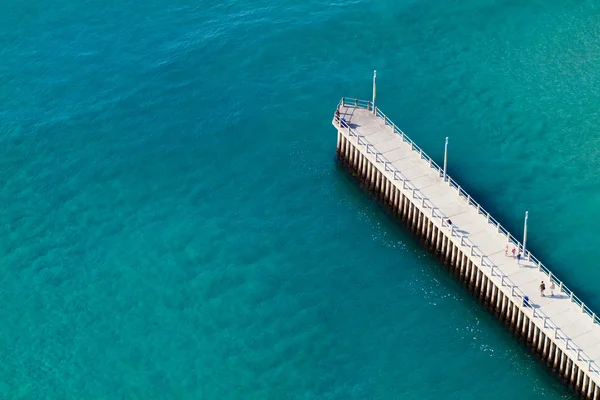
(561, 329)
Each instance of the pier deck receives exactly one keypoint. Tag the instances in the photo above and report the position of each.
(574, 327)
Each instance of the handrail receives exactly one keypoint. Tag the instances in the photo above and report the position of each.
(465, 241)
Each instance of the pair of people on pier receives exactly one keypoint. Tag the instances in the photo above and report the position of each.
(543, 289)
(506, 251)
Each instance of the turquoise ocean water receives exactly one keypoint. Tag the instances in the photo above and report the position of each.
(174, 225)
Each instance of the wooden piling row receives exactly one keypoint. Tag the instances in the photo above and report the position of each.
(437, 239)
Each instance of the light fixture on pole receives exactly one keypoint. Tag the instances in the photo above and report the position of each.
(374, 89)
(525, 236)
(445, 158)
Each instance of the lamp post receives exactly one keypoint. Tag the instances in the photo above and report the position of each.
(374, 90)
(445, 158)
(525, 235)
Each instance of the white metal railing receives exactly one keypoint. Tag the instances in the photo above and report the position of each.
(494, 271)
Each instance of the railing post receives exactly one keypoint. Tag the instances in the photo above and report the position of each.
(468, 199)
(356, 103)
(582, 307)
(502, 281)
(343, 101)
(512, 291)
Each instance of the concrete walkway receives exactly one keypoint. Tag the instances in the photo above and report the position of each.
(578, 326)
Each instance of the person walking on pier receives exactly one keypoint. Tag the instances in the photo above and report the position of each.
(513, 252)
(542, 288)
(519, 258)
(552, 287)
